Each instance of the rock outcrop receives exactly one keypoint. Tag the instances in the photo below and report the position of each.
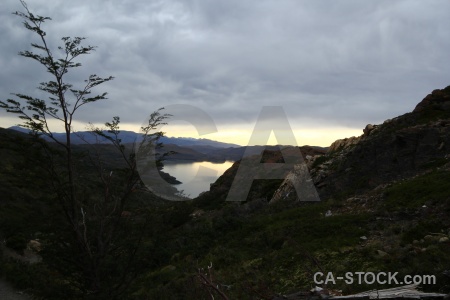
(344, 143)
(438, 99)
(219, 189)
(399, 148)
(305, 190)
(396, 149)
(348, 142)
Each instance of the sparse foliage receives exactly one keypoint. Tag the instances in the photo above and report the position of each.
(208, 281)
(102, 246)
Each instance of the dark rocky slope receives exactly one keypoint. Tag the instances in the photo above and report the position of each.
(399, 148)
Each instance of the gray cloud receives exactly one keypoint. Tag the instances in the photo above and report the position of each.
(344, 63)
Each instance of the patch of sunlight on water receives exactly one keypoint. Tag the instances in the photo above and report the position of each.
(196, 177)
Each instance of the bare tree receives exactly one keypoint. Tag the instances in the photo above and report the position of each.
(207, 279)
(95, 220)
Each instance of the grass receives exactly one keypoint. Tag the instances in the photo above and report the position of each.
(271, 249)
(320, 160)
(427, 189)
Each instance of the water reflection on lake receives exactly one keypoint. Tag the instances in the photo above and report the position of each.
(196, 177)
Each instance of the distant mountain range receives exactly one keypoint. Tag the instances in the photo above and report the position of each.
(384, 205)
(185, 148)
(127, 137)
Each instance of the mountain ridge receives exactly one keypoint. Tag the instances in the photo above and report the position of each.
(398, 148)
(385, 202)
(184, 148)
(127, 136)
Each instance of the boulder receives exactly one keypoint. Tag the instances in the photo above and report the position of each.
(34, 245)
(368, 129)
(438, 99)
(197, 213)
(429, 238)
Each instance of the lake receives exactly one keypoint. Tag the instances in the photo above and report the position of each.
(195, 177)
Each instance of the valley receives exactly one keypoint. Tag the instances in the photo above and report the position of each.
(385, 206)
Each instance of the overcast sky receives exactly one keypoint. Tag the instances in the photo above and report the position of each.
(334, 66)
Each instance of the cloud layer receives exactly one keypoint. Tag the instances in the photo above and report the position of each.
(329, 64)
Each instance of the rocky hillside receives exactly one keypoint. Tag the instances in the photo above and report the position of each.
(385, 207)
(261, 189)
(399, 148)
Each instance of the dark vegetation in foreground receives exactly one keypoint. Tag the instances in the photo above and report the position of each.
(76, 222)
(256, 249)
